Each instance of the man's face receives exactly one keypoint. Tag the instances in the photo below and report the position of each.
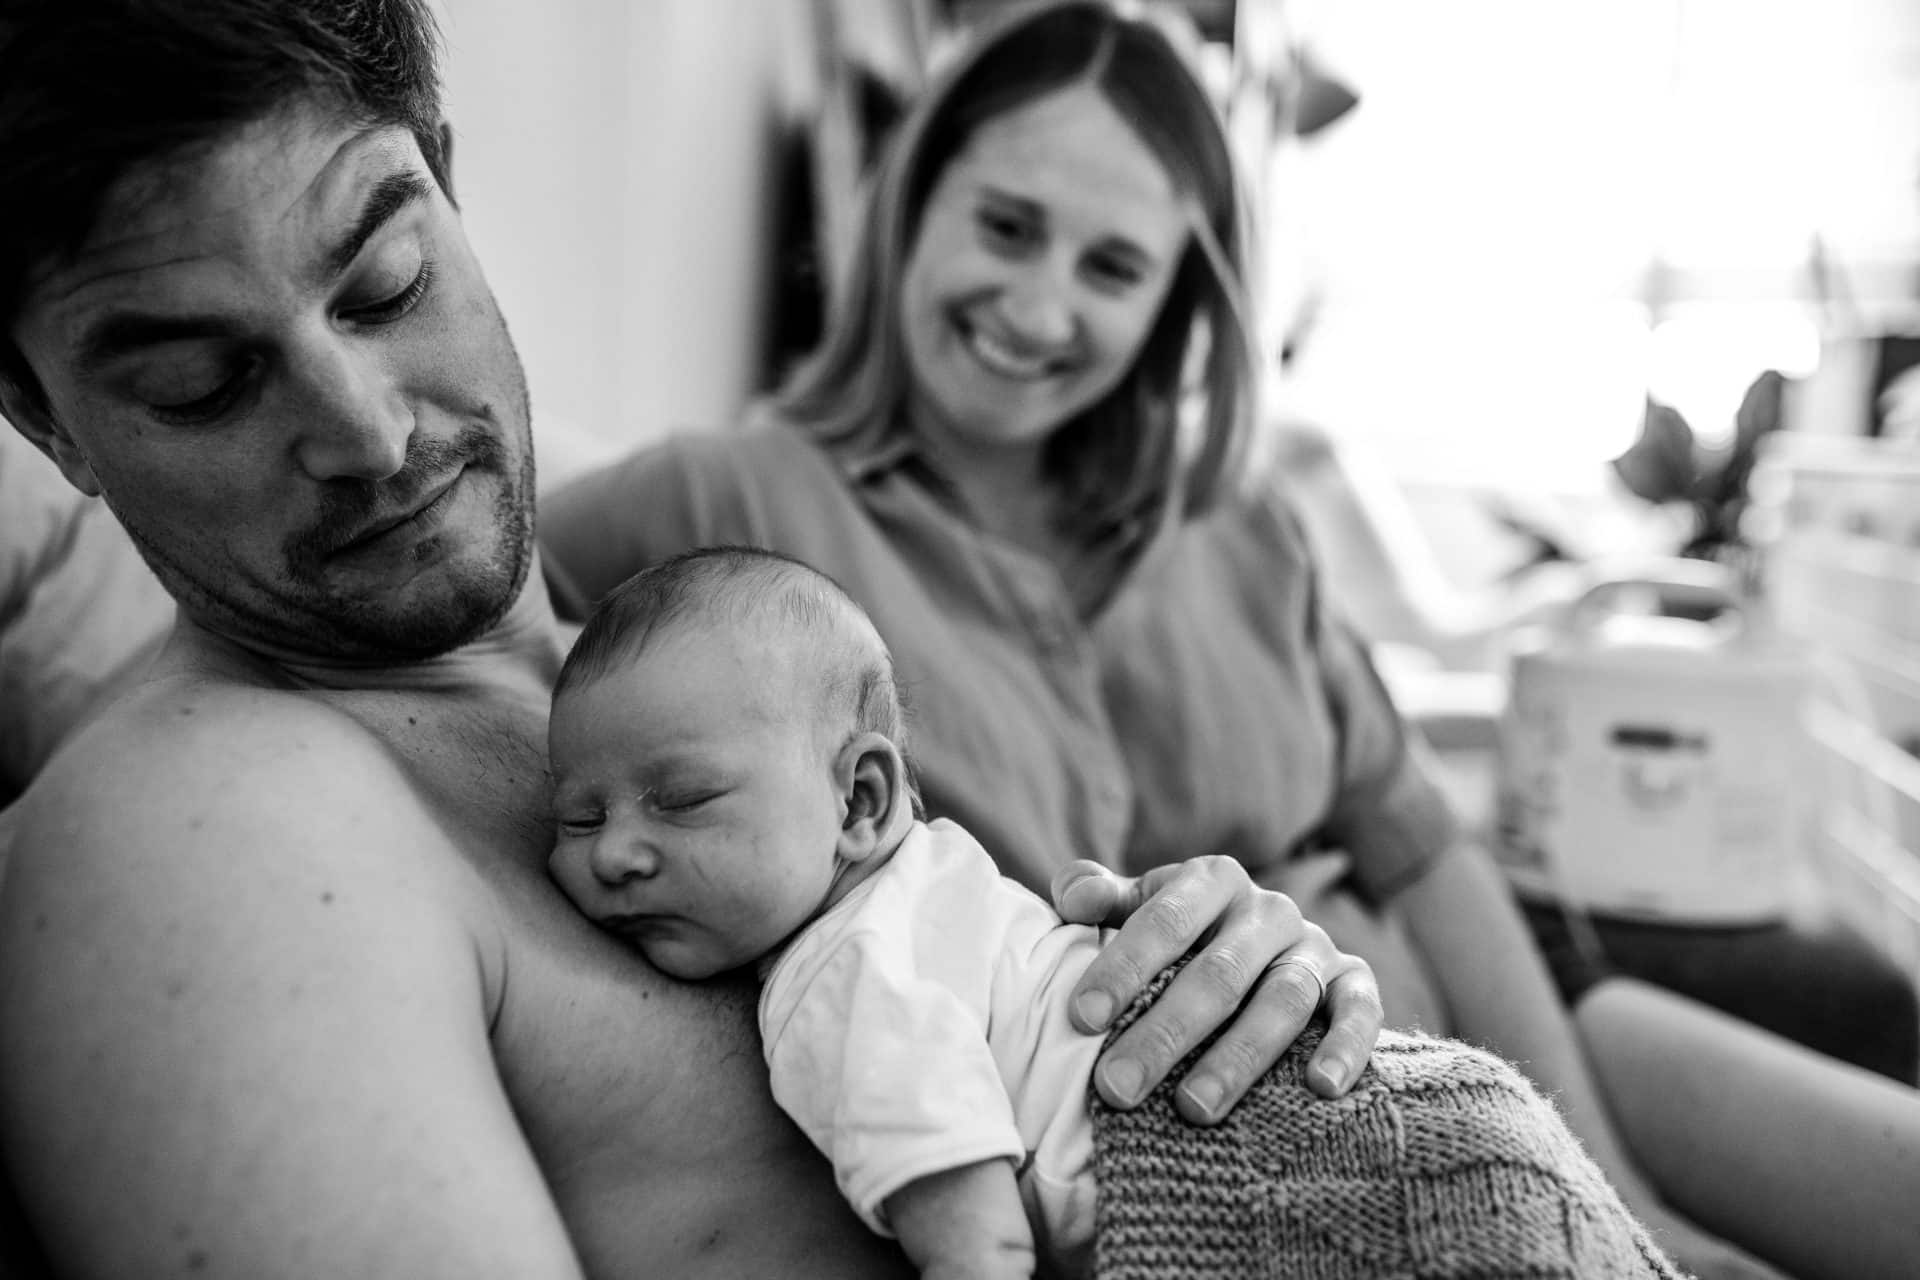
(277, 359)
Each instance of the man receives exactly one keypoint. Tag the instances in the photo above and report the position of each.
(284, 989)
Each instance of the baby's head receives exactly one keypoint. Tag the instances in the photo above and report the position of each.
(725, 747)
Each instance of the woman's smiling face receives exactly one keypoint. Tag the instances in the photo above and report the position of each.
(1043, 256)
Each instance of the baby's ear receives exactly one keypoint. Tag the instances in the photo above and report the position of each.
(875, 802)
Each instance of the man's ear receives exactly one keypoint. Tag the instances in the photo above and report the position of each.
(876, 804)
(31, 418)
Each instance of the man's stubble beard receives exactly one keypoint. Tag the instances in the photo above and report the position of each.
(300, 615)
(470, 598)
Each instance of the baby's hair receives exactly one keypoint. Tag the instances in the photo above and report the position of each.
(735, 586)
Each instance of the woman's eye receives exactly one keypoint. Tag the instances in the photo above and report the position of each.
(387, 310)
(1006, 230)
(1114, 272)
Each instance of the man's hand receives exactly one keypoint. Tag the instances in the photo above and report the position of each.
(1261, 972)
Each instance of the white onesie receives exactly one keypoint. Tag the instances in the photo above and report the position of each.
(920, 1025)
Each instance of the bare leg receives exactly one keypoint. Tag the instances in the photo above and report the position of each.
(1805, 1160)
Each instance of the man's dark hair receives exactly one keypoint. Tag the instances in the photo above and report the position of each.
(90, 89)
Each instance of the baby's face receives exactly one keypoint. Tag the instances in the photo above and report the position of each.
(695, 802)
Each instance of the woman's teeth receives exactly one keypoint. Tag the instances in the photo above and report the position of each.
(1004, 360)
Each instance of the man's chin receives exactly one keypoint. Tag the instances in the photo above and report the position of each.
(346, 619)
(440, 605)
(429, 628)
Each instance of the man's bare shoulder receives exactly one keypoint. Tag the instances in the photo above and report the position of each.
(195, 800)
(184, 756)
(230, 901)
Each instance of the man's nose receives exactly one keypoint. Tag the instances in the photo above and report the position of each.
(356, 423)
(618, 856)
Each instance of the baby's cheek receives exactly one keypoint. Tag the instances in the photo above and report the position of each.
(568, 870)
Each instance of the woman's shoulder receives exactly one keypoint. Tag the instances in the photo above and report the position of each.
(749, 446)
(1247, 555)
(764, 485)
(755, 463)
(1256, 520)
(764, 457)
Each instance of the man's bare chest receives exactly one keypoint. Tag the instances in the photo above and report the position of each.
(600, 1053)
(480, 768)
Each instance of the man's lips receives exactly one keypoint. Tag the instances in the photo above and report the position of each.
(429, 508)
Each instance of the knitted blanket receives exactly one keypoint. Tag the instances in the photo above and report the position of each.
(1443, 1163)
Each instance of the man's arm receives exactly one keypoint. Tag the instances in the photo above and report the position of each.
(964, 1224)
(243, 1023)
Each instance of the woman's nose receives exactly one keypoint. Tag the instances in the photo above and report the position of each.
(356, 422)
(618, 856)
(1039, 306)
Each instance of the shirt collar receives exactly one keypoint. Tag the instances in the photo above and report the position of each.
(900, 453)
(861, 465)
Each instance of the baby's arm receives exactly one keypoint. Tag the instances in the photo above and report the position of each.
(964, 1224)
(888, 1070)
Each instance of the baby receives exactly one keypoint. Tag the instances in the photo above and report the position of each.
(730, 788)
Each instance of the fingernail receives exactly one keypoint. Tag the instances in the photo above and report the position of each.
(1205, 1094)
(1095, 1009)
(1124, 1080)
(1332, 1077)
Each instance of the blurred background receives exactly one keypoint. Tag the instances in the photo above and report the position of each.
(1558, 297)
(1533, 216)
(1554, 292)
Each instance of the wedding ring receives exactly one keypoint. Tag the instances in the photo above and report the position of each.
(1312, 970)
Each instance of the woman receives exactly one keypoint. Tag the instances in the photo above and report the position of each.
(1109, 625)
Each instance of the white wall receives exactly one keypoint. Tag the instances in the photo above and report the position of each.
(610, 157)
(1486, 220)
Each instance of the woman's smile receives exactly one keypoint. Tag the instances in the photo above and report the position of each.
(1042, 259)
(1008, 355)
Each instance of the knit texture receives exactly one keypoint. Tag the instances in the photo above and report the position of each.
(1442, 1163)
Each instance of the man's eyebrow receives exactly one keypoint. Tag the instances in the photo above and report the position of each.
(117, 334)
(390, 195)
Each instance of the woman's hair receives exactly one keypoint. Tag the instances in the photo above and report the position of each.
(90, 90)
(1117, 462)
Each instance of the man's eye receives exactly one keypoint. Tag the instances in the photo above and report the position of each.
(202, 408)
(389, 309)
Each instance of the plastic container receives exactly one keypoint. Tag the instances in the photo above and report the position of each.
(1656, 764)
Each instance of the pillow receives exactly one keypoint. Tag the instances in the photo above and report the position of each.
(79, 610)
